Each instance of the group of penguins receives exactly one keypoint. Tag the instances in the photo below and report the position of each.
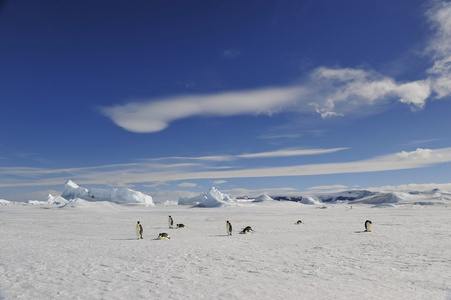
(162, 235)
(246, 230)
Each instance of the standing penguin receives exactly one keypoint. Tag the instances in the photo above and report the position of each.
(171, 222)
(368, 226)
(139, 230)
(229, 228)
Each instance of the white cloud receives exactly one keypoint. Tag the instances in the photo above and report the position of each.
(290, 152)
(411, 187)
(414, 93)
(258, 192)
(225, 158)
(187, 184)
(419, 154)
(162, 196)
(440, 48)
(328, 187)
(196, 158)
(282, 135)
(346, 90)
(442, 85)
(439, 16)
(157, 115)
(217, 182)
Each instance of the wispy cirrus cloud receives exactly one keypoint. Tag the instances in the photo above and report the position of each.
(187, 185)
(147, 172)
(231, 53)
(216, 182)
(290, 152)
(123, 175)
(412, 187)
(328, 187)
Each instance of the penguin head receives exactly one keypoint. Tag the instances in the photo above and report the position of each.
(138, 222)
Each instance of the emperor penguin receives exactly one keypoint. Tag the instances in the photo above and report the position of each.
(229, 228)
(180, 225)
(171, 222)
(164, 236)
(247, 230)
(139, 230)
(298, 222)
(368, 226)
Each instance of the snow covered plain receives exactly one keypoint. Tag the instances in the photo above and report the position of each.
(89, 250)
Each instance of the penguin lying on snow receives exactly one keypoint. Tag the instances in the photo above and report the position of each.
(229, 228)
(171, 222)
(163, 236)
(139, 230)
(368, 226)
(247, 230)
(299, 222)
(180, 226)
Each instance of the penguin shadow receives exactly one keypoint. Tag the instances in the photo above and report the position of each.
(361, 231)
(219, 235)
(136, 239)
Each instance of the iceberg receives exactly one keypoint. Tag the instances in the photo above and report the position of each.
(115, 195)
(212, 198)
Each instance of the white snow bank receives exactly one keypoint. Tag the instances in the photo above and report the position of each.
(343, 196)
(167, 203)
(58, 200)
(55, 200)
(37, 202)
(84, 204)
(212, 198)
(115, 195)
(433, 197)
(382, 198)
(5, 202)
(310, 201)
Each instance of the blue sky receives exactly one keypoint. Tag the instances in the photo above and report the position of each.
(172, 97)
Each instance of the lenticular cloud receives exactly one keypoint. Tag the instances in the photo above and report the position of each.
(156, 115)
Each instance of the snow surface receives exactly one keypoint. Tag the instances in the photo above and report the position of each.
(89, 250)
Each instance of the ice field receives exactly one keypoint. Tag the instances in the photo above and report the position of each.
(89, 250)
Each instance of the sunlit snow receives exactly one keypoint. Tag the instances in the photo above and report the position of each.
(85, 249)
